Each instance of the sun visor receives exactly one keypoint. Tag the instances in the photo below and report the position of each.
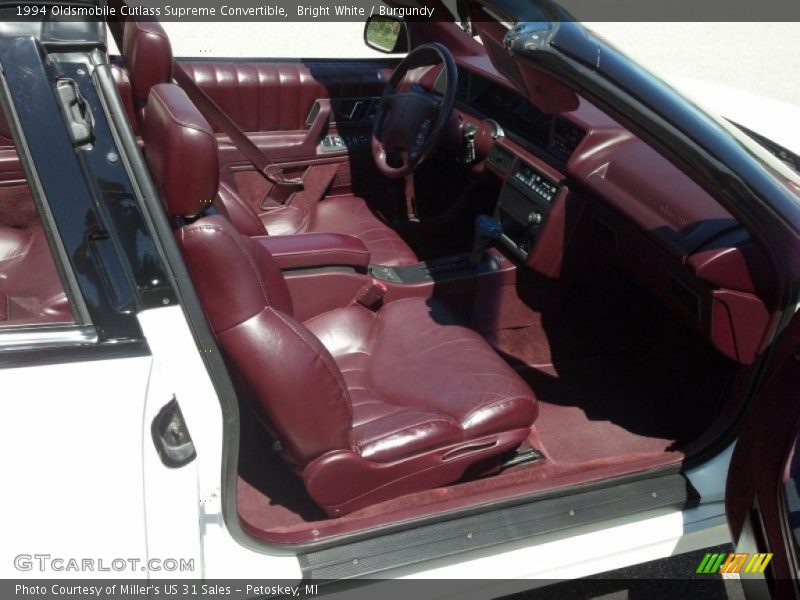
(499, 30)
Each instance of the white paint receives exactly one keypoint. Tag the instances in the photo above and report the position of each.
(709, 479)
(192, 499)
(71, 441)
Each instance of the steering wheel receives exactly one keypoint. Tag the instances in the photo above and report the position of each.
(409, 121)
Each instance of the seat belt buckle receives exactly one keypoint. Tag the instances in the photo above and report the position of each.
(371, 295)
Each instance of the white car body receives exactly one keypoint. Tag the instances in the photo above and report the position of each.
(70, 501)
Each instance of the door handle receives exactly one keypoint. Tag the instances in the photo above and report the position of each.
(171, 436)
(80, 121)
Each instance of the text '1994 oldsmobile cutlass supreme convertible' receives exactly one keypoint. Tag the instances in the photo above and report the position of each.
(497, 304)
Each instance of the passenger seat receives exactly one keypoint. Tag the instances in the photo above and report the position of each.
(365, 405)
(148, 56)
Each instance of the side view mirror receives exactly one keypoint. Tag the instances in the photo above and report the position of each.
(386, 34)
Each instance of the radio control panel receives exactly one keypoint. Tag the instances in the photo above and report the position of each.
(522, 208)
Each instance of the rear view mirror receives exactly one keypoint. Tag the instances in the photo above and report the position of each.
(386, 34)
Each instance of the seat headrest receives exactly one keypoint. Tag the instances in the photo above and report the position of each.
(181, 151)
(148, 57)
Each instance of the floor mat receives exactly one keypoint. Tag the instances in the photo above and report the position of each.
(614, 374)
(603, 407)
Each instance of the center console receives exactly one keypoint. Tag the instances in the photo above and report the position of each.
(523, 205)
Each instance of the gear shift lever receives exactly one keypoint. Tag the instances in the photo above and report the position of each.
(487, 230)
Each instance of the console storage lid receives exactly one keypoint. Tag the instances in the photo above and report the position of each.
(310, 250)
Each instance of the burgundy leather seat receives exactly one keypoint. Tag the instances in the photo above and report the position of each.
(148, 56)
(30, 288)
(366, 405)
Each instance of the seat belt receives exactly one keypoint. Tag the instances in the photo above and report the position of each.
(271, 171)
(211, 110)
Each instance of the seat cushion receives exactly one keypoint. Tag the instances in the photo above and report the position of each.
(351, 215)
(30, 286)
(417, 380)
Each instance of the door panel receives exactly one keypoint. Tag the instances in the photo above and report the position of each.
(277, 96)
(756, 495)
(282, 106)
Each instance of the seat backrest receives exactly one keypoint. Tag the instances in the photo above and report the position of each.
(287, 374)
(148, 57)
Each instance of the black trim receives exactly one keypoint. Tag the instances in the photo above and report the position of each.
(524, 521)
(73, 186)
(785, 155)
(78, 307)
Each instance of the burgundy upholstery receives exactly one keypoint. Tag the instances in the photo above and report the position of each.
(316, 250)
(181, 151)
(345, 215)
(277, 96)
(417, 380)
(148, 56)
(123, 82)
(30, 287)
(366, 405)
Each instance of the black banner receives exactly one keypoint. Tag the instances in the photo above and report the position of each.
(708, 588)
(434, 10)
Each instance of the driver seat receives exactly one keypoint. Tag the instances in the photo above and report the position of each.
(365, 405)
(148, 57)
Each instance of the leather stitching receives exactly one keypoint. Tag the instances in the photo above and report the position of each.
(404, 428)
(197, 127)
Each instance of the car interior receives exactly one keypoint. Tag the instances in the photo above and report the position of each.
(30, 286)
(478, 287)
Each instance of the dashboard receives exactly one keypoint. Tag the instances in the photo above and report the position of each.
(577, 191)
(517, 117)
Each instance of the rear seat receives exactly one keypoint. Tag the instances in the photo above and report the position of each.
(30, 287)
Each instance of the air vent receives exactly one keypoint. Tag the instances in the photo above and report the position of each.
(566, 138)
